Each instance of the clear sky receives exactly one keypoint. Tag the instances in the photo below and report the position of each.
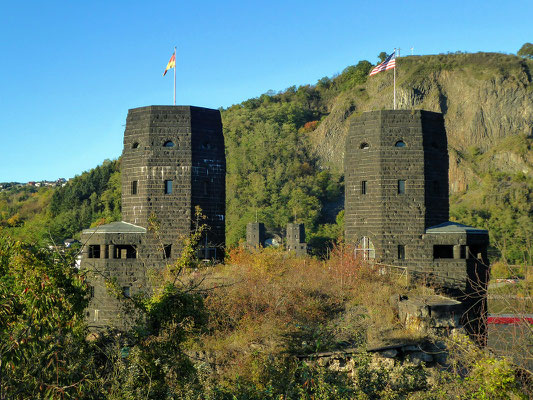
(70, 70)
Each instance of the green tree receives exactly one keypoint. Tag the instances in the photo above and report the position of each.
(526, 51)
(43, 353)
(382, 56)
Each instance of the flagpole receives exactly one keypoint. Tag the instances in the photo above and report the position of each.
(394, 105)
(174, 75)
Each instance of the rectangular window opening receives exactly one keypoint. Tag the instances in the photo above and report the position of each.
(94, 251)
(134, 187)
(123, 251)
(91, 292)
(401, 252)
(168, 250)
(401, 186)
(363, 187)
(126, 291)
(168, 187)
(442, 251)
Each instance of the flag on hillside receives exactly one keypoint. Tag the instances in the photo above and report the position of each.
(389, 63)
(171, 63)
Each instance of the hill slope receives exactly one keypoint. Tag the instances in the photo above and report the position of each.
(285, 150)
(487, 102)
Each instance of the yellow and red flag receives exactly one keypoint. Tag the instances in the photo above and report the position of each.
(171, 63)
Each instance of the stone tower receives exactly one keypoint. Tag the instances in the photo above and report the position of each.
(295, 239)
(397, 203)
(396, 168)
(173, 161)
(255, 234)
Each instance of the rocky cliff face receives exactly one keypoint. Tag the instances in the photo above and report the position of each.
(485, 98)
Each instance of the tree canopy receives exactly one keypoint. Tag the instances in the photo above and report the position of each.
(526, 51)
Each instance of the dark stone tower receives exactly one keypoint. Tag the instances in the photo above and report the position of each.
(396, 171)
(397, 206)
(173, 161)
(255, 234)
(397, 203)
(296, 239)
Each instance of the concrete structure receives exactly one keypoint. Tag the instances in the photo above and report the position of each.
(295, 239)
(173, 161)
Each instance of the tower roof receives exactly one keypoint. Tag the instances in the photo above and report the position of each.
(116, 227)
(455, 227)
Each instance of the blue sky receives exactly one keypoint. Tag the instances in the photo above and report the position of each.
(70, 70)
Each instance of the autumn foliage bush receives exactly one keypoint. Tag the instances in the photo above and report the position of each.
(309, 126)
(270, 302)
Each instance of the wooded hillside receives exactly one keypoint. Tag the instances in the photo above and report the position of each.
(285, 150)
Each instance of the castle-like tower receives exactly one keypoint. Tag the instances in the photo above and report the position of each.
(396, 168)
(397, 202)
(173, 161)
(295, 239)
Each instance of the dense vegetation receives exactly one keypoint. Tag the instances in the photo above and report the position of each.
(50, 215)
(500, 201)
(194, 340)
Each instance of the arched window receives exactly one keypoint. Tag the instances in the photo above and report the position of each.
(364, 146)
(135, 145)
(365, 249)
(168, 143)
(400, 143)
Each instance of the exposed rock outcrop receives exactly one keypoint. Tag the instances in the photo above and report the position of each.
(485, 98)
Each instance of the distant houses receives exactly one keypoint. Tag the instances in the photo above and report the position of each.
(9, 185)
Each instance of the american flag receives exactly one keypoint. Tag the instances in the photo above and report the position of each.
(389, 63)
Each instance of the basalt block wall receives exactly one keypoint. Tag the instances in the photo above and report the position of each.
(295, 239)
(436, 167)
(295, 233)
(255, 234)
(396, 172)
(208, 177)
(128, 273)
(173, 161)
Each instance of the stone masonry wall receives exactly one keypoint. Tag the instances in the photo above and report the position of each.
(382, 149)
(436, 166)
(194, 164)
(295, 239)
(396, 174)
(255, 234)
(104, 309)
(208, 177)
